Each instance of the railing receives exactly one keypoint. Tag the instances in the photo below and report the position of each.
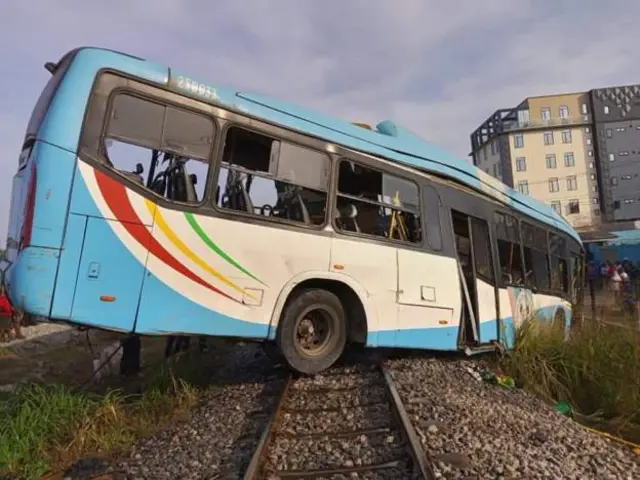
(553, 122)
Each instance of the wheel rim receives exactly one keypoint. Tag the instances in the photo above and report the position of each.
(313, 332)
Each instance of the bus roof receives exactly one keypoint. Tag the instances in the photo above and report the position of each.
(387, 140)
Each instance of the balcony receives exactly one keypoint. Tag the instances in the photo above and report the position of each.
(514, 125)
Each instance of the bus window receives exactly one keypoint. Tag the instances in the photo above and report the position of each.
(163, 148)
(274, 179)
(558, 263)
(536, 264)
(509, 255)
(376, 203)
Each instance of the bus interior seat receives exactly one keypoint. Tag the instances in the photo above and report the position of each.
(303, 207)
(346, 215)
(295, 206)
(236, 193)
(159, 185)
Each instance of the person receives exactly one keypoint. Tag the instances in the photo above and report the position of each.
(615, 281)
(12, 318)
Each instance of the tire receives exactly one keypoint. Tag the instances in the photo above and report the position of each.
(325, 309)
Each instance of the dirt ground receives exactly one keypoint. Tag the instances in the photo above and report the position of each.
(65, 356)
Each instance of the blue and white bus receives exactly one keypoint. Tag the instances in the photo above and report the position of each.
(149, 202)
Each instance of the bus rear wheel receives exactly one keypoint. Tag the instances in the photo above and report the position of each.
(312, 333)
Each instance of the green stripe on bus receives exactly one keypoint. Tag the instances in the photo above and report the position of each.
(212, 245)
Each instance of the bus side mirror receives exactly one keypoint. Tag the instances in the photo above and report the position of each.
(139, 169)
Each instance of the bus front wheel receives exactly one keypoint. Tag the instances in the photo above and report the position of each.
(312, 332)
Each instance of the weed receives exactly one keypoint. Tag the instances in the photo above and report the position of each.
(44, 428)
(597, 370)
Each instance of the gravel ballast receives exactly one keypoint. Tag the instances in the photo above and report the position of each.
(477, 430)
(221, 433)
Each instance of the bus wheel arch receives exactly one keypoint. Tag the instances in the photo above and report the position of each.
(357, 316)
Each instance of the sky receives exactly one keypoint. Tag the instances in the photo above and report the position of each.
(437, 68)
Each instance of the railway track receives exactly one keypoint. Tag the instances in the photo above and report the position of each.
(347, 423)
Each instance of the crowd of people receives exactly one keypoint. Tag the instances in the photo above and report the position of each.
(619, 279)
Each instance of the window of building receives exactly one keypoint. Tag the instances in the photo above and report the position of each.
(493, 147)
(518, 140)
(606, 110)
(566, 136)
(595, 201)
(545, 113)
(569, 159)
(595, 188)
(587, 129)
(559, 280)
(612, 157)
(521, 164)
(523, 187)
(484, 152)
(616, 204)
(375, 203)
(623, 154)
(163, 148)
(548, 138)
(557, 207)
(592, 164)
(572, 183)
(584, 109)
(626, 177)
(614, 181)
(510, 258)
(589, 141)
(592, 176)
(551, 160)
(273, 179)
(536, 262)
(609, 133)
(573, 207)
(495, 169)
(554, 186)
(589, 153)
(563, 111)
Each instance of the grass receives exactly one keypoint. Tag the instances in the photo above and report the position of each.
(597, 371)
(43, 428)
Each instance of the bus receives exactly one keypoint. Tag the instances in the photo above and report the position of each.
(152, 203)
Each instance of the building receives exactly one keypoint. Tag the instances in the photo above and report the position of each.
(577, 152)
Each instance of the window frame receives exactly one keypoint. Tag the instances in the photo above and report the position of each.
(545, 251)
(562, 255)
(569, 155)
(523, 187)
(495, 238)
(102, 149)
(384, 240)
(516, 143)
(551, 165)
(231, 214)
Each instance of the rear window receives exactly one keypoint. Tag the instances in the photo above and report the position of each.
(42, 105)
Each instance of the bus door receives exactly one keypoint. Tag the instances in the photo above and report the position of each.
(473, 248)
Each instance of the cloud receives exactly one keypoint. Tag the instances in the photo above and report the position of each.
(438, 68)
